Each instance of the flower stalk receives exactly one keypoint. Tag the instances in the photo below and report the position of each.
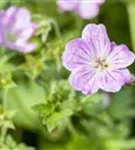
(131, 16)
(56, 27)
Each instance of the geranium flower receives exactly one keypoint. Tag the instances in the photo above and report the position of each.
(96, 63)
(16, 28)
(87, 9)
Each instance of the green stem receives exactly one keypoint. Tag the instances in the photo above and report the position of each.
(56, 27)
(79, 23)
(72, 129)
(131, 15)
(3, 134)
(4, 98)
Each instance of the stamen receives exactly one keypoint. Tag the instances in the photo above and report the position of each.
(101, 64)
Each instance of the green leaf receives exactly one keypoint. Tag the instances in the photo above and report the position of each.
(21, 99)
(6, 81)
(10, 142)
(6, 118)
(44, 110)
(120, 144)
(79, 142)
(33, 66)
(57, 119)
(122, 104)
(22, 146)
(52, 118)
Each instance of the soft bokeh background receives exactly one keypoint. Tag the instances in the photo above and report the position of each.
(49, 114)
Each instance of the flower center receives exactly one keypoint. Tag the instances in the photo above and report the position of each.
(101, 64)
(9, 34)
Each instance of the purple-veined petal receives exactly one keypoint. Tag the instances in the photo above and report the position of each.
(127, 76)
(27, 48)
(2, 16)
(25, 34)
(6, 19)
(21, 46)
(84, 79)
(16, 17)
(113, 80)
(88, 10)
(9, 17)
(22, 18)
(120, 56)
(10, 11)
(96, 36)
(77, 54)
(1, 36)
(1, 39)
(113, 44)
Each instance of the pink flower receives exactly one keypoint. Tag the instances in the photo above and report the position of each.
(16, 28)
(86, 9)
(97, 63)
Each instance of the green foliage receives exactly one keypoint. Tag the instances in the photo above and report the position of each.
(34, 65)
(54, 112)
(44, 27)
(6, 141)
(10, 144)
(61, 103)
(26, 97)
(6, 119)
(35, 94)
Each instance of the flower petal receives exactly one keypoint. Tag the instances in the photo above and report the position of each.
(77, 54)
(10, 13)
(101, 2)
(84, 79)
(27, 48)
(113, 80)
(25, 34)
(1, 32)
(22, 18)
(16, 17)
(120, 56)
(22, 46)
(96, 36)
(88, 10)
(127, 76)
(69, 5)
